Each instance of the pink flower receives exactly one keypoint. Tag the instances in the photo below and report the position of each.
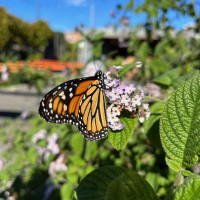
(52, 144)
(39, 135)
(58, 165)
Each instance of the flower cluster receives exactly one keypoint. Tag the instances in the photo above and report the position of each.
(52, 144)
(123, 97)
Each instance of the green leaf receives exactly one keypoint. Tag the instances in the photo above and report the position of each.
(90, 150)
(153, 11)
(143, 51)
(189, 189)
(151, 126)
(77, 143)
(116, 183)
(125, 68)
(158, 67)
(181, 79)
(66, 191)
(167, 78)
(151, 178)
(97, 50)
(129, 5)
(98, 36)
(77, 161)
(179, 125)
(173, 164)
(186, 172)
(119, 139)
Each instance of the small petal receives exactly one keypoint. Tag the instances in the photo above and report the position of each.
(138, 64)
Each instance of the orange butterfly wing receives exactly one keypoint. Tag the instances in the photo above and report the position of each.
(80, 102)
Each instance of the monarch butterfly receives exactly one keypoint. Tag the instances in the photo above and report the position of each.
(80, 102)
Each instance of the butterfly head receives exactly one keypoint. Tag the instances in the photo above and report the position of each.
(101, 77)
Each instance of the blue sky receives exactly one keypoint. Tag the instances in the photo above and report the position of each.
(64, 15)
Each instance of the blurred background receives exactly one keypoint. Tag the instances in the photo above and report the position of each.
(44, 43)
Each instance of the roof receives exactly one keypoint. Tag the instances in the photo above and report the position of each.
(53, 65)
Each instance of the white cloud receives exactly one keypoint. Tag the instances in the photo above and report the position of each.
(76, 2)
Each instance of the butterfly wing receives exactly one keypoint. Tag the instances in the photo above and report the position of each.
(64, 103)
(92, 113)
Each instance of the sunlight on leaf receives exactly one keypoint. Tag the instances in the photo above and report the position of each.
(179, 126)
(119, 139)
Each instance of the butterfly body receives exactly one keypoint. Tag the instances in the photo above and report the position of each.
(80, 102)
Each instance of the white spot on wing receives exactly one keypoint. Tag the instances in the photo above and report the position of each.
(65, 107)
(61, 93)
(63, 97)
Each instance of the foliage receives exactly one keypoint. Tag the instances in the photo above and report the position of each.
(154, 160)
(30, 76)
(71, 52)
(17, 35)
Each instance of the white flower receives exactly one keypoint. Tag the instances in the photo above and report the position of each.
(138, 64)
(2, 162)
(117, 126)
(4, 73)
(130, 88)
(141, 119)
(58, 165)
(137, 100)
(113, 119)
(147, 115)
(125, 99)
(118, 67)
(39, 135)
(52, 144)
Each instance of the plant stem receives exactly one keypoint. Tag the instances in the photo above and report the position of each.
(179, 179)
(154, 99)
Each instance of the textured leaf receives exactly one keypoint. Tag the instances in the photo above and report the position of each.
(186, 172)
(114, 183)
(173, 164)
(188, 190)
(125, 68)
(180, 124)
(181, 79)
(119, 139)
